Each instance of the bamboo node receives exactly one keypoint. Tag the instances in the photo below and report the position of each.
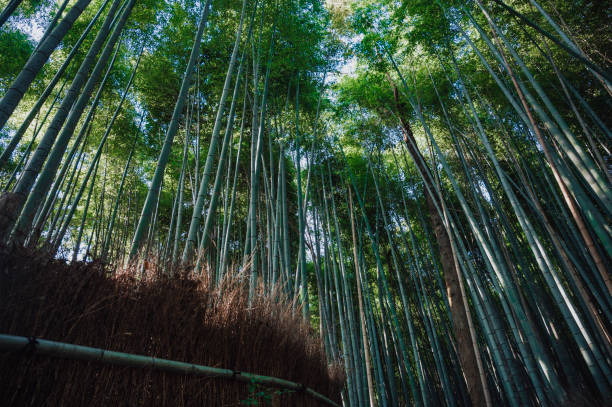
(30, 347)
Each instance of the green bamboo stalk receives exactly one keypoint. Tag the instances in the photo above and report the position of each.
(111, 223)
(499, 269)
(351, 393)
(85, 129)
(36, 61)
(77, 245)
(364, 328)
(35, 191)
(565, 136)
(224, 253)
(152, 195)
(203, 190)
(4, 157)
(98, 153)
(576, 326)
(86, 353)
(10, 8)
(180, 192)
(569, 46)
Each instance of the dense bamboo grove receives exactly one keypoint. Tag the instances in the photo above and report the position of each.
(427, 182)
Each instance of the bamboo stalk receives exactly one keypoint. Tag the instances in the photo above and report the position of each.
(12, 343)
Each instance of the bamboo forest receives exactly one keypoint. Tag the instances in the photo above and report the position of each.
(306, 203)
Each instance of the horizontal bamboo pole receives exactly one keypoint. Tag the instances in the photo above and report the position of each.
(69, 351)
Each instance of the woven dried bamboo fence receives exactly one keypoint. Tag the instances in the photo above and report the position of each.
(181, 319)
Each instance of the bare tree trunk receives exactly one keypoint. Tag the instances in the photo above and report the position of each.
(465, 349)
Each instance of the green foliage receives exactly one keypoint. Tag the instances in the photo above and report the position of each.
(260, 395)
(15, 49)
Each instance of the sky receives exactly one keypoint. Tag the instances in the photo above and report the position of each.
(35, 27)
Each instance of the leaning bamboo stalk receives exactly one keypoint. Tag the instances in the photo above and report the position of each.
(180, 193)
(339, 305)
(460, 324)
(564, 189)
(351, 343)
(376, 250)
(43, 97)
(164, 156)
(77, 245)
(202, 193)
(9, 10)
(212, 206)
(604, 77)
(583, 163)
(84, 132)
(483, 318)
(34, 165)
(40, 56)
(32, 188)
(547, 54)
(569, 47)
(53, 22)
(227, 230)
(543, 368)
(594, 217)
(98, 152)
(591, 353)
(11, 343)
